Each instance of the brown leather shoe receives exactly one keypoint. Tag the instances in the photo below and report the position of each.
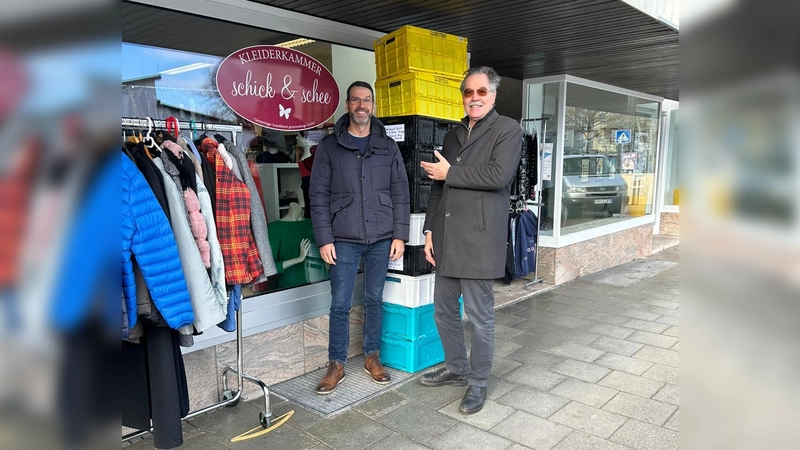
(331, 379)
(373, 366)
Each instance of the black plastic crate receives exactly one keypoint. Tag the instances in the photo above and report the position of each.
(420, 190)
(414, 262)
(420, 130)
(413, 155)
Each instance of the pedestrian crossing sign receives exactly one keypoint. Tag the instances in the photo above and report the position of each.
(622, 136)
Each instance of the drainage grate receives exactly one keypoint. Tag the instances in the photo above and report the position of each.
(356, 388)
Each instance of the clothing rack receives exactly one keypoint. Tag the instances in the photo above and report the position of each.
(139, 122)
(230, 398)
(538, 202)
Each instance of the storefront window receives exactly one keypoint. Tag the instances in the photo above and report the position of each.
(543, 103)
(671, 182)
(610, 142)
(161, 83)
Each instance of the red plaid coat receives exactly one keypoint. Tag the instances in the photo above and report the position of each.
(239, 251)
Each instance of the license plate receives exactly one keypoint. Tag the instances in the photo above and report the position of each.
(602, 201)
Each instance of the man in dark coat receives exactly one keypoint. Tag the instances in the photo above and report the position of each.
(359, 209)
(466, 232)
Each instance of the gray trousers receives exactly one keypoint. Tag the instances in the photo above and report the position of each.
(479, 308)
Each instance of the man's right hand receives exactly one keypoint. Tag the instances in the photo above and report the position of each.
(429, 248)
(328, 253)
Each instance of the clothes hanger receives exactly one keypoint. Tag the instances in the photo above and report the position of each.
(149, 141)
(193, 129)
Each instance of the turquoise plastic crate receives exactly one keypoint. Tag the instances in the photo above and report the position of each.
(411, 356)
(408, 323)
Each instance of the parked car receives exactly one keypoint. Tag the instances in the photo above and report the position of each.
(591, 188)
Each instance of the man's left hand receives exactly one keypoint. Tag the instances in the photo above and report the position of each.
(437, 170)
(398, 248)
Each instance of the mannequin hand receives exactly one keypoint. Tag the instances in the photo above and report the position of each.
(305, 244)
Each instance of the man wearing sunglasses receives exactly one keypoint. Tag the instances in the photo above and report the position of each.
(466, 232)
(360, 209)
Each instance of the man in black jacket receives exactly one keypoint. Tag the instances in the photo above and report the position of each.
(359, 209)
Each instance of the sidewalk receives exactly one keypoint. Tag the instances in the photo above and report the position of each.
(592, 363)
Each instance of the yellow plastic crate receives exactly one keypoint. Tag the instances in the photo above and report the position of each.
(419, 93)
(411, 48)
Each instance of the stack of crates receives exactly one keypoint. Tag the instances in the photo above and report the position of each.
(419, 73)
(419, 100)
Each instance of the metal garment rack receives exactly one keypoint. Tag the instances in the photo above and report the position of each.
(230, 398)
(538, 202)
(142, 122)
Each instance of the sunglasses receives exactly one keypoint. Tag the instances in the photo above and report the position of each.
(481, 92)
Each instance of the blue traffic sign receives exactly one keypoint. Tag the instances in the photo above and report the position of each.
(622, 136)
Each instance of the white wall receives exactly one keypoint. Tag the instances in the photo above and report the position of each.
(349, 65)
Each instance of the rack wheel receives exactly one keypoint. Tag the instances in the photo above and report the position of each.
(227, 395)
(265, 421)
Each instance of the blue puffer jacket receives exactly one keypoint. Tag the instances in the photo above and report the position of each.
(354, 198)
(146, 235)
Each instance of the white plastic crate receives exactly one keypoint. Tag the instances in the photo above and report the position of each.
(409, 291)
(416, 235)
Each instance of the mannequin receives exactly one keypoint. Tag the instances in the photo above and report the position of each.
(290, 239)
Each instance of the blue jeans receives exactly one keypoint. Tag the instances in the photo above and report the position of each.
(343, 280)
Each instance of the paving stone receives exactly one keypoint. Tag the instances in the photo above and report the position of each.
(674, 422)
(668, 394)
(662, 373)
(505, 333)
(676, 347)
(499, 387)
(537, 327)
(617, 346)
(621, 381)
(466, 437)
(669, 304)
(577, 351)
(644, 325)
(382, 404)
(675, 321)
(568, 300)
(673, 331)
(508, 320)
(614, 331)
(658, 355)
(541, 342)
(396, 441)
(535, 377)
(591, 420)
(536, 358)
(644, 409)
(504, 348)
(570, 322)
(575, 336)
(569, 310)
(638, 314)
(533, 401)
(623, 363)
(606, 317)
(666, 311)
(501, 366)
(433, 397)
(578, 440)
(643, 436)
(606, 308)
(491, 414)
(581, 370)
(657, 340)
(587, 393)
(348, 430)
(531, 431)
(416, 421)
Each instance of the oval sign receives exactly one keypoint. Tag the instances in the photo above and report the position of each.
(278, 88)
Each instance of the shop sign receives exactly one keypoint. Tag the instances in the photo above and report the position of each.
(278, 88)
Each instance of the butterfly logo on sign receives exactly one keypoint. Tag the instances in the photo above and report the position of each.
(284, 112)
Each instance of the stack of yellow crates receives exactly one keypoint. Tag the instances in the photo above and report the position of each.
(419, 73)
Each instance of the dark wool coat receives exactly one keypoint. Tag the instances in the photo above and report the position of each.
(354, 198)
(468, 212)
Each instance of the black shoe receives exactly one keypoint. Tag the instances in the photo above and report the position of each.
(442, 377)
(473, 400)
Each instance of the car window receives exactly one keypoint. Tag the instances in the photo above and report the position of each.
(598, 166)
